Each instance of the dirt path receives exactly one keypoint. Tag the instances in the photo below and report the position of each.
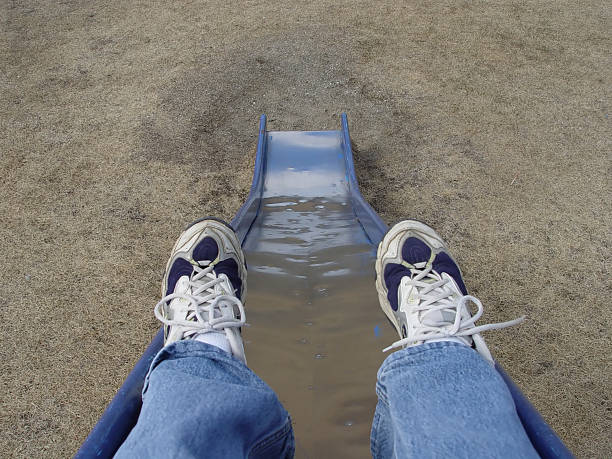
(120, 122)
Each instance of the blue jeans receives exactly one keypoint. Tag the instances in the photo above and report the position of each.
(438, 399)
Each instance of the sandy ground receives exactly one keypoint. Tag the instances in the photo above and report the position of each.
(121, 121)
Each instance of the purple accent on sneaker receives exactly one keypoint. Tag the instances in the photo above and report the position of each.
(415, 251)
(206, 250)
(180, 268)
(393, 276)
(229, 267)
(443, 263)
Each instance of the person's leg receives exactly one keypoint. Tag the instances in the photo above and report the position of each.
(443, 399)
(199, 398)
(199, 401)
(441, 395)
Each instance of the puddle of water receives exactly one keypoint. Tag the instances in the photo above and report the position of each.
(281, 204)
(311, 301)
(313, 310)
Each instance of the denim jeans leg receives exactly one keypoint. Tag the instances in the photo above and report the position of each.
(443, 399)
(199, 401)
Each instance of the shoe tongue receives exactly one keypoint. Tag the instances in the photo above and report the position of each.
(434, 318)
(221, 288)
(180, 306)
(182, 285)
(185, 285)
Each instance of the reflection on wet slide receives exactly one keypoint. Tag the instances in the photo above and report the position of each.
(313, 311)
(311, 301)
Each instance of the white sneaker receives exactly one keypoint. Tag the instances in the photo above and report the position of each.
(421, 290)
(204, 287)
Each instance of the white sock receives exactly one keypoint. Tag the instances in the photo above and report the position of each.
(218, 339)
(452, 339)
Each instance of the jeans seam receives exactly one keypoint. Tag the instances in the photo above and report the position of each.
(266, 441)
(374, 436)
(381, 393)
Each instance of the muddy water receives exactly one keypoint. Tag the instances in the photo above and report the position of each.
(317, 332)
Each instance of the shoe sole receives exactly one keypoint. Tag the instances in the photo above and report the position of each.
(195, 229)
(393, 236)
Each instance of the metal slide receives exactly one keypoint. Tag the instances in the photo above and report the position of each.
(316, 331)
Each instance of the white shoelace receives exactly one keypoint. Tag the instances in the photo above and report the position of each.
(205, 298)
(437, 302)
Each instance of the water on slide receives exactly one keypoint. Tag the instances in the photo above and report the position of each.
(317, 331)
